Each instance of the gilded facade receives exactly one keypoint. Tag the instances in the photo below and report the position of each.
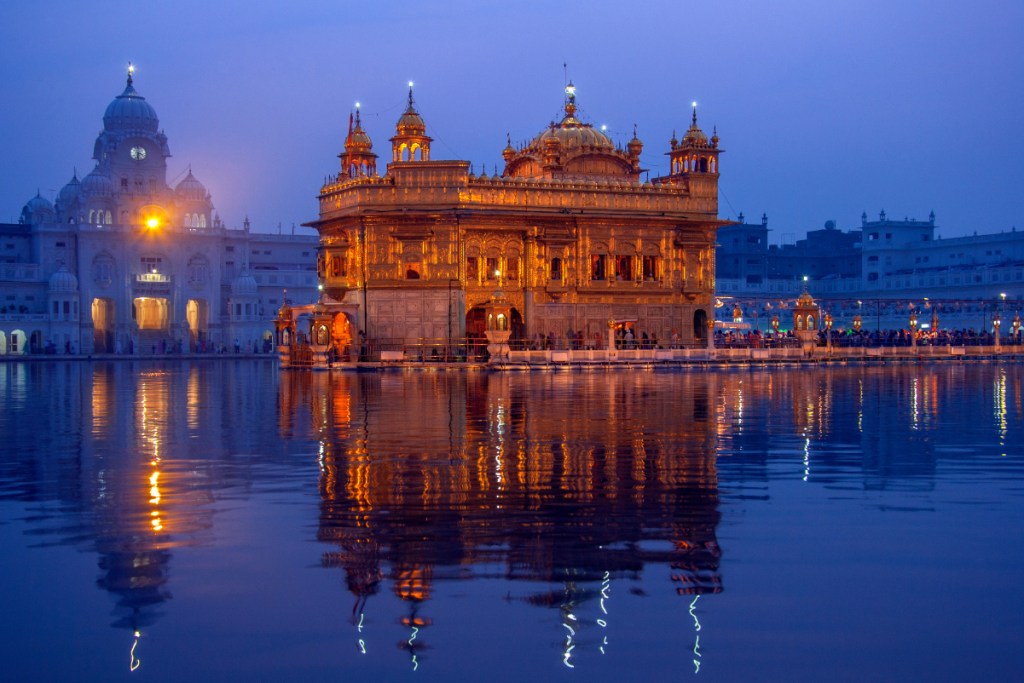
(569, 230)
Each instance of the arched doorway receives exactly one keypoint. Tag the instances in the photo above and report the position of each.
(3, 344)
(35, 343)
(197, 313)
(700, 324)
(103, 325)
(341, 336)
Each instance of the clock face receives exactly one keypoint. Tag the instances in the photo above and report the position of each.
(138, 153)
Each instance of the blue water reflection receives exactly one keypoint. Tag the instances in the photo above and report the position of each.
(220, 520)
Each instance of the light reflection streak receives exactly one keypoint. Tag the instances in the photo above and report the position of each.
(133, 661)
(807, 456)
(359, 629)
(696, 642)
(915, 401)
(606, 586)
(415, 663)
(999, 394)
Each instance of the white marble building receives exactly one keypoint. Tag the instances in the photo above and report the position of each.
(122, 262)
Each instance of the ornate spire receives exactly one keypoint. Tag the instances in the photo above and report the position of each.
(131, 70)
(570, 100)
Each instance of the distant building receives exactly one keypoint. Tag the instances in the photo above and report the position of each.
(884, 259)
(568, 230)
(121, 261)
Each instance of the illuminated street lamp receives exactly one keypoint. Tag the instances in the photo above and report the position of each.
(996, 322)
(775, 323)
(913, 330)
(1016, 328)
(857, 322)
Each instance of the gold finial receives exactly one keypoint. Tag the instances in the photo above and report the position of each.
(131, 70)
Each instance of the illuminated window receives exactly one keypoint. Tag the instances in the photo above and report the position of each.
(624, 267)
(472, 268)
(597, 266)
(512, 268)
(492, 267)
(651, 265)
(556, 268)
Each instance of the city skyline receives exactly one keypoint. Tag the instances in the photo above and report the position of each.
(823, 111)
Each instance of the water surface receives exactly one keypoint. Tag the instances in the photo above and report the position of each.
(220, 520)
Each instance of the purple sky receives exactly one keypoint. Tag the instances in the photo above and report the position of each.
(825, 109)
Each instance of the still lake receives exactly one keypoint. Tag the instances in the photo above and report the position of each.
(222, 520)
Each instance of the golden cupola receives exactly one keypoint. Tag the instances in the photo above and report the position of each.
(694, 153)
(358, 159)
(410, 142)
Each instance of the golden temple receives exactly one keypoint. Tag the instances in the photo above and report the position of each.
(570, 231)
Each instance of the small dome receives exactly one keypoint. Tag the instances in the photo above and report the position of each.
(63, 282)
(805, 301)
(358, 140)
(96, 184)
(244, 285)
(37, 210)
(411, 123)
(69, 193)
(130, 111)
(39, 203)
(694, 135)
(191, 190)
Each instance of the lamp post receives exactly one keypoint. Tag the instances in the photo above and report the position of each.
(775, 323)
(913, 331)
(828, 332)
(996, 322)
(1016, 328)
(857, 322)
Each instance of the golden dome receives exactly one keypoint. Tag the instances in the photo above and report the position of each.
(358, 140)
(411, 123)
(805, 300)
(569, 148)
(694, 135)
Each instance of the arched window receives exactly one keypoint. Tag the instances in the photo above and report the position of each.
(92, 214)
(202, 220)
(188, 221)
(109, 218)
(799, 322)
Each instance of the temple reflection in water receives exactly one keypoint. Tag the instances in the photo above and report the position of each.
(433, 476)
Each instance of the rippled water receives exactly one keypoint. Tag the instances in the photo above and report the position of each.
(221, 520)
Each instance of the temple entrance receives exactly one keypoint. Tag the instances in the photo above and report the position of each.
(197, 313)
(700, 324)
(476, 322)
(103, 325)
(341, 336)
(150, 313)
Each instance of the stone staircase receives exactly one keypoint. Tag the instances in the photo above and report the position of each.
(155, 341)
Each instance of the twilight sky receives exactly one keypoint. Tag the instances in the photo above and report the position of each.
(825, 109)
